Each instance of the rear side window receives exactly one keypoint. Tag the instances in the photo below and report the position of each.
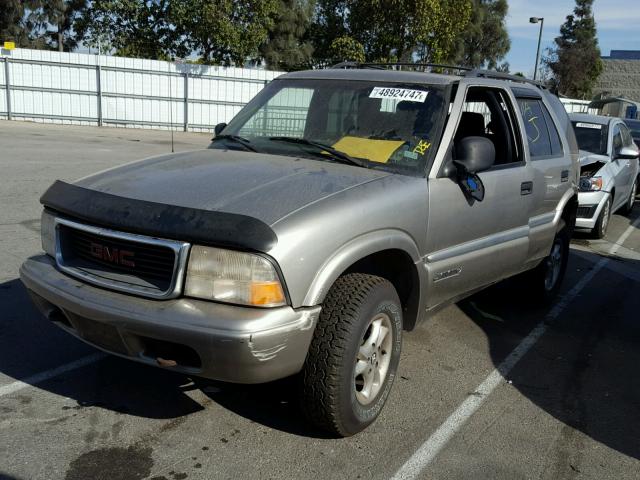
(554, 136)
(542, 134)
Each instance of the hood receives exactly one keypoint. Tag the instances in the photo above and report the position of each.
(266, 187)
(587, 158)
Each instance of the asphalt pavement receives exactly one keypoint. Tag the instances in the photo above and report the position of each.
(494, 387)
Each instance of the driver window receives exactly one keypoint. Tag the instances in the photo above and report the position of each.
(488, 113)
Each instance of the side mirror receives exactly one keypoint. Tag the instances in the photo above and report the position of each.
(219, 128)
(627, 153)
(475, 154)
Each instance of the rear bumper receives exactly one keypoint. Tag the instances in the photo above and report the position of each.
(212, 340)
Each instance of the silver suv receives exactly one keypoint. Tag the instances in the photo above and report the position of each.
(338, 209)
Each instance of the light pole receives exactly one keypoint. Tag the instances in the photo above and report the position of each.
(536, 20)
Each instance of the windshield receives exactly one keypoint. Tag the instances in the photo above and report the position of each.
(592, 137)
(390, 126)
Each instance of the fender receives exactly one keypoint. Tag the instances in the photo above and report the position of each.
(356, 249)
(568, 195)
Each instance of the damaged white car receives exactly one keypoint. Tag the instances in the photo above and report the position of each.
(608, 170)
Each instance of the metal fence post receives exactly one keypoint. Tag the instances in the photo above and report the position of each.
(7, 84)
(186, 101)
(99, 91)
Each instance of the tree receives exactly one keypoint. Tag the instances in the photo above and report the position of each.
(226, 32)
(485, 40)
(52, 22)
(133, 28)
(287, 46)
(13, 24)
(393, 29)
(575, 60)
(346, 48)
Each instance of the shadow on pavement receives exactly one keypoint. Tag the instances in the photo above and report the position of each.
(584, 369)
(29, 344)
(27, 339)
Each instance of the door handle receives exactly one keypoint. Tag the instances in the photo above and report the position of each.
(564, 176)
(526, 188)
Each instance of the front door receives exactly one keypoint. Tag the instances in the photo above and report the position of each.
(475, 243)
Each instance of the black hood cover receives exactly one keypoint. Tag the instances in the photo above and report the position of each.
(204, 227)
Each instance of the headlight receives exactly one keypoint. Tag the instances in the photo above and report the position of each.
(590, 184)
(233, 277)
(48, 233)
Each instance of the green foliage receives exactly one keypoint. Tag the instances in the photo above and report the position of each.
(11, 25)
(226, 32)
(346, 48)
(287, 46)
(51, 23)
(131, 28)
(485, 40)
(575, 61)
(391, 29)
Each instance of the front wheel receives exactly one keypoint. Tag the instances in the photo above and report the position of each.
(600, 229)
(354, 354)
(628, 207)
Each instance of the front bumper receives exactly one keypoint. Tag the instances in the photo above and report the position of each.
(207, 339)
(594, 201)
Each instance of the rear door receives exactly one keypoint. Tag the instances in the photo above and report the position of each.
(473, 243)
(550, 158)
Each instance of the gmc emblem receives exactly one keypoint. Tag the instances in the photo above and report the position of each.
(113, 255)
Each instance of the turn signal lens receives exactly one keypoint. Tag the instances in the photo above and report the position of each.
(233, 277)
(596, 183)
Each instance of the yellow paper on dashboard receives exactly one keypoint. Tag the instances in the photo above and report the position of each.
(372, 149)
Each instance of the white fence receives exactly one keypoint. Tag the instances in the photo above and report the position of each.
(572, 105)
(89, 89)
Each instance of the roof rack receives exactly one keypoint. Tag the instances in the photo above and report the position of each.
(400, 65)
(465, 71)
(503, 76)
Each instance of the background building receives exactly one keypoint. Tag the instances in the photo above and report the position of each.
(621, 76)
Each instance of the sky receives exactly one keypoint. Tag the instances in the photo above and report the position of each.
(617, 22)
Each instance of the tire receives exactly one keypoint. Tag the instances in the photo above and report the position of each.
(546, 279)
(628, 207)
(333, 397)
(600, 229)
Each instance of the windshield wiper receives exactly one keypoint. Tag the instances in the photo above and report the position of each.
(335, 154)
(238, 139)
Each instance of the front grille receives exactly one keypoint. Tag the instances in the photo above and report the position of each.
(118, 260)
(587, 211)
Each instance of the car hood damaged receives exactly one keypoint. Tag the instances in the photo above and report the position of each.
(267, 187)
(591, 163)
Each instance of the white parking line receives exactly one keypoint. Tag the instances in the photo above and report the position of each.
(425, 454)
(49, 374)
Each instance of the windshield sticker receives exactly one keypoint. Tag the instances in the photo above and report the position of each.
(595, 126)
(403, 94)
(422, 147)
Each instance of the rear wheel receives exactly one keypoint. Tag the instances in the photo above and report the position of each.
(628, 207)
(600, 229)
(546, 278)
(354, 354)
